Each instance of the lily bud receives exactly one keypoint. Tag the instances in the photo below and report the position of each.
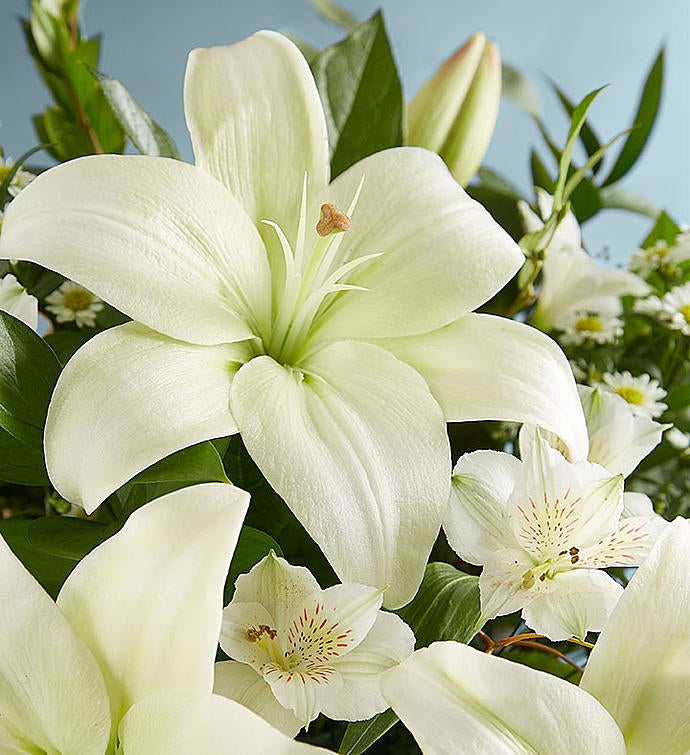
(455, 111)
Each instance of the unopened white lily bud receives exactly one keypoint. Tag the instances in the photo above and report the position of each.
(454, 112)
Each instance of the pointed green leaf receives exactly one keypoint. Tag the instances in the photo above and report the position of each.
(28, 372)
(644, 119)
(517, 88)
(252, 546)
(360, 735)
(360, 88)
(330, 11)
(665, 229)
(540, 175)
(146, 135)
(589, 139)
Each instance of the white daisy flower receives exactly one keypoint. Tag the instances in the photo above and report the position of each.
(73, 303)
(675, 308)
(661, 257)
(21, 179)
(642, 393)
(579, 327)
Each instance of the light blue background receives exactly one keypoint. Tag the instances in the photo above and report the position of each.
(581, 44)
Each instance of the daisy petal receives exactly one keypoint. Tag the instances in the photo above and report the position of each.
(476, 522)
(128, 398)
(146, 637)
(178, 723)
(52, 695)
(485, 367)
(640, 667)
(579, 601)
(432, 239)
(357, 447)
(257, 124)
(239, 682)
(456, 699)
(156, 238)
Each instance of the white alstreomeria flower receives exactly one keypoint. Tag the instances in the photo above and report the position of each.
(15, 299)
(642, 393)
(73, 303)
(311, 650)
(633, 697)
(338, 354)
(572, 282)
(582, 327)
(137, 620)
(543, 529)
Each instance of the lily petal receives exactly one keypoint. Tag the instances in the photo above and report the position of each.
(15, 300)
(640, 667)
(578, 601)
(456, 699)
(477, 522)
(178, 723)
(357, 447)
(257, 125)
(136, 601)
(128, 398)
(484, 367)
(244, 685)
(432, 239)
(52, 695)
(387, 644)
(156, 238)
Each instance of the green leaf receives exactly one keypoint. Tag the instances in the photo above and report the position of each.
(589, 139)
(517, 88)
(360, 735)
(330, 11)
(68, 537)
(665, 229)
(446, 607)
(540, 175)
(5, 185)
(66, 139)
(28, 372)
(614, 197)
(585, 200)
(644, 119)
(146, 135)
(252, 546)
(360, 88)
(36, 279)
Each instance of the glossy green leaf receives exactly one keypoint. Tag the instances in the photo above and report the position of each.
(360, 88)
(36, 279)
(585, 200)
(68, 537)
(446, 607)
(588, 138)
(252, 546)
(28, 372)
(643, 122)
(665, 229)
(146, 135)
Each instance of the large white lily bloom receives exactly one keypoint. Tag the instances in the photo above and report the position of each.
(15, 299)
(571, 280)
(311, 650)
(138, 618)
(337, 354)
(544, 529)
(456, 699)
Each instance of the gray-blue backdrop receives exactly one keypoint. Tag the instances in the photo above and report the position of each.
(581, 44)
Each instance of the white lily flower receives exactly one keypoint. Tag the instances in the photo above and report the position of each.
(131, 624)
(642, 393)
(313, 650)
(571, 280)
(15, 299)
(337, 354)
(632, 698)
(543, 529)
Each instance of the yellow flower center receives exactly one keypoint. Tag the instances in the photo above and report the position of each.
(630, 394)
(4, 172)
(685, 311)
(589, 324)
(78, 299)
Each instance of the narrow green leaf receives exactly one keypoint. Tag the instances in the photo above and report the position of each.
(644, 119)
(517, 88)
(665, 229)
(360, 88)
(330, 11)
(360, 735)
(585, 200)
(5, 185)
(589, 139)
(496, 182)
(28, 372)
(614, 197)
(446, 607)
(540, 175)
(146, 135)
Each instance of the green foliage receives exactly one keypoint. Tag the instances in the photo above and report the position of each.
(28, 372)
(360, 88)
(146, 135)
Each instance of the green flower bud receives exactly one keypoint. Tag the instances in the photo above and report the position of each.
(455, 111)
